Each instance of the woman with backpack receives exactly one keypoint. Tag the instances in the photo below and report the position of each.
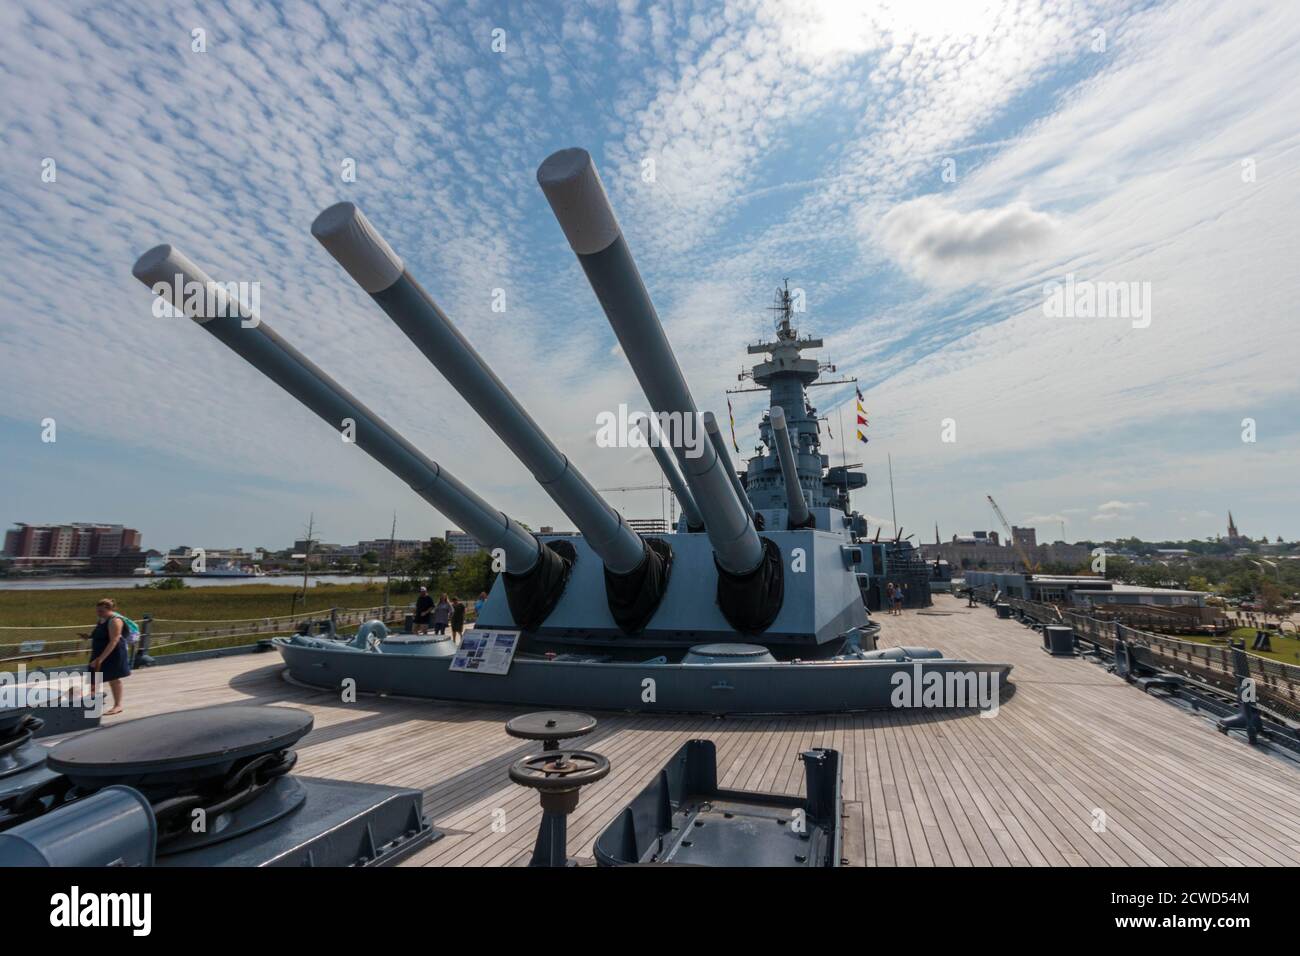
(110, 655)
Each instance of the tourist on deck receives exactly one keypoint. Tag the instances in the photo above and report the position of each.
(889, 598)
(457, 618)
(109, 657)
(441, 615)
(423, 611)
(898, 599)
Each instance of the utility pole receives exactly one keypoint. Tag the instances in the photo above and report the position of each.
(306, 558)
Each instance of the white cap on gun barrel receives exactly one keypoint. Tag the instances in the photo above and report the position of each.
(348, 236)
(168, 272)
(577, 197)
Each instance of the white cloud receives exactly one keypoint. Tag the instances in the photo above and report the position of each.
(1120, 506)
(778, 126)
(946, 246)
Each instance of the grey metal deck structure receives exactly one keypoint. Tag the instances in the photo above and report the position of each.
(1025, 788)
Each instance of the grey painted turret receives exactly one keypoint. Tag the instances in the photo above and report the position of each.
(279, 361)
(574, 191)
(658, 447)
(795, 503)
(351, 239)
(724, 456)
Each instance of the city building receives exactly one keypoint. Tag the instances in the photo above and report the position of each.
(403, 549)
(984, 550)
(461, 543)
(1086, 591)
(35, 545)
(123, 563)
(1236, 538)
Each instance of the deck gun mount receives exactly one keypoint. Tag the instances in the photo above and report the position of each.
(772, 559)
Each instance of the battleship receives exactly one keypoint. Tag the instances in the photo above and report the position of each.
(757, 602)
(714, 659)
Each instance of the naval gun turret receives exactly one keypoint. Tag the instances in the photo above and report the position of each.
(753, 604)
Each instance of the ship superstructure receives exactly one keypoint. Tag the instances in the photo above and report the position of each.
(786, 374)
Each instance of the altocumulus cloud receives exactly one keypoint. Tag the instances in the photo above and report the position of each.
(942, 245)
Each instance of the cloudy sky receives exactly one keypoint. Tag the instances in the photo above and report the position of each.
(924, 171)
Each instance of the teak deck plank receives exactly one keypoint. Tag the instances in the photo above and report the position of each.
(924, 788)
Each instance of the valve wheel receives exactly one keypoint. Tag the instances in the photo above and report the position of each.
(559, 770)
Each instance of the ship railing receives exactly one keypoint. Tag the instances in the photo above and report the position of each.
(1036, 610)
(40, 647)
(1277, 684)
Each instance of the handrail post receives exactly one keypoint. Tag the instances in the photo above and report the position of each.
(142, 658)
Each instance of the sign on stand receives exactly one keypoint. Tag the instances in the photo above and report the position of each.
(485, 652)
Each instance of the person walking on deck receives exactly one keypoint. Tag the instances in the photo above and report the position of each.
(441, 615)
(109, 654)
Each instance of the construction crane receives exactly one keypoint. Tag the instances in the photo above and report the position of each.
(661, 487)
(1030, 566)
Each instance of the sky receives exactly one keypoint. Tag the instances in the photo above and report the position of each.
(928, 174)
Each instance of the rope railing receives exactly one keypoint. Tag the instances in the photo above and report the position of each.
(168, 641)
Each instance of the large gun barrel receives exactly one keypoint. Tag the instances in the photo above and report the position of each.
(351, 239)
(167, 272)
(690, 511)
(720, 448)
(577, 197)
(796, 505)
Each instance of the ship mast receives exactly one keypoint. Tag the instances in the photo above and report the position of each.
(785, 374)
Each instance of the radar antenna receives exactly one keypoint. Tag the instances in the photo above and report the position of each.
(784, 311)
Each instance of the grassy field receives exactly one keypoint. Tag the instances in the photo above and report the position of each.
(1285, 649)
(76, 606)
(27, 615)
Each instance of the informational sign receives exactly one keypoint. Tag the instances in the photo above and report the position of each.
(485, 652)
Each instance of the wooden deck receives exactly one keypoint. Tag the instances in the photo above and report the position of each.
(1029, 787)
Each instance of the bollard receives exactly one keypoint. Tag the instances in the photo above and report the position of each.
(1247, 716)
(142, 658)
(1058, 640)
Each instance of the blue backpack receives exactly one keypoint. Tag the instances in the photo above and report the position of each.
(131, 630)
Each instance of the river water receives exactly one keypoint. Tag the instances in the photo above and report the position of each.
(117, 584)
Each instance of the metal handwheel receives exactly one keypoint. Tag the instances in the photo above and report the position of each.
(557, 770)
